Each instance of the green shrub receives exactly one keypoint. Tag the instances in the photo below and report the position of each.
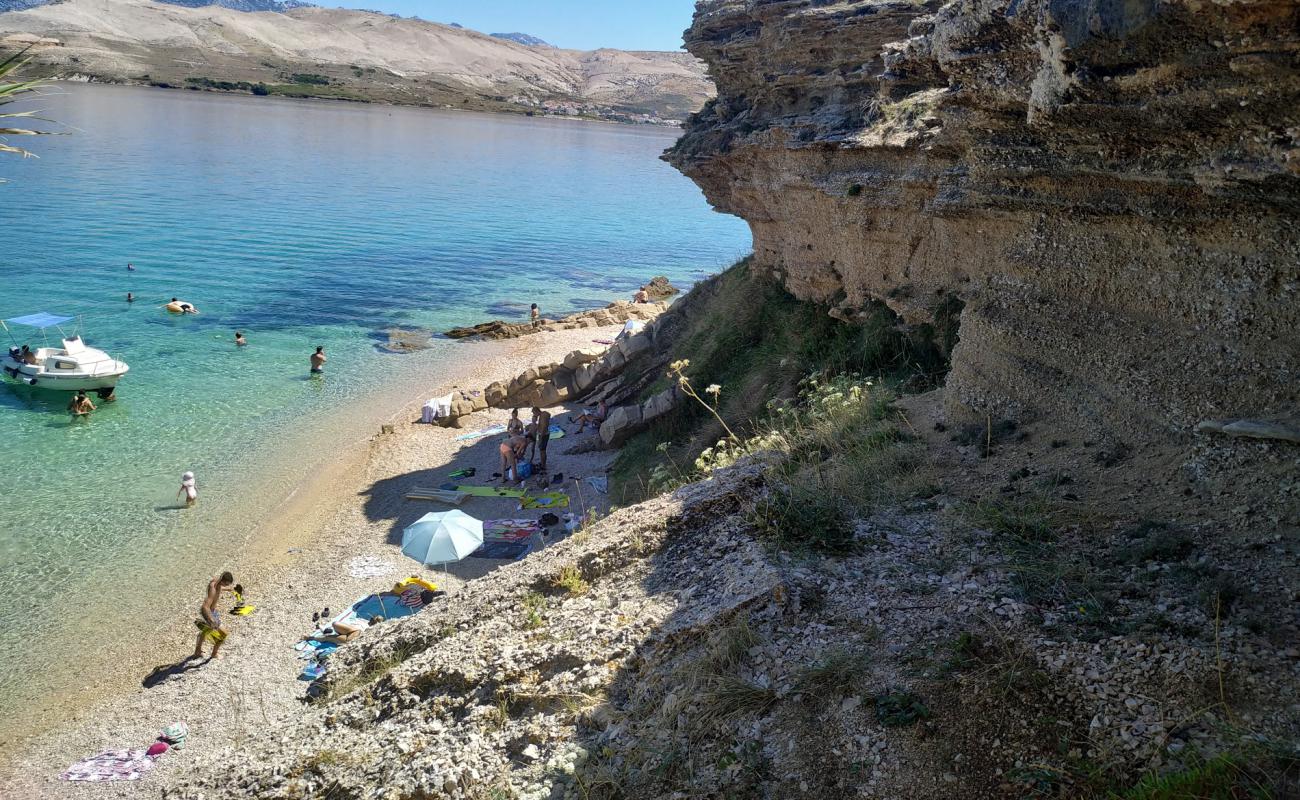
(799, 518)
(895, 709)
(310, 78)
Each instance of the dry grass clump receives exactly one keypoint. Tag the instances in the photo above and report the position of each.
(570, 579)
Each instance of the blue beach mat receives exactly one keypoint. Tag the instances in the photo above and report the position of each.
(489, 431)
(511, 550)
(386, 607)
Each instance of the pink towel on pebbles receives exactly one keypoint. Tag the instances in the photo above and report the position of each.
(110, 765)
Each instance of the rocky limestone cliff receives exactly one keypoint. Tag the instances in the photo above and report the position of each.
(1106, 192)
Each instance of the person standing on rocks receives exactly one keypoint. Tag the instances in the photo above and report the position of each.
(536, 315)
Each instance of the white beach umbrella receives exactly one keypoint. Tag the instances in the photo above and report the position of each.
(442, 537)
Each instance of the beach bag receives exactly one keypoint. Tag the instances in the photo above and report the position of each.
(524, 470)
(175, 734)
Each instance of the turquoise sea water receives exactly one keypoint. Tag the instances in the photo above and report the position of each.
(301, 224)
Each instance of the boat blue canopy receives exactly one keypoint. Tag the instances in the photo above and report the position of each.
(41, 320)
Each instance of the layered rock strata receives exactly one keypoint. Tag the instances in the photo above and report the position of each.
(1107, 193)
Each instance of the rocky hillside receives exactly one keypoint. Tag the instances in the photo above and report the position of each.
(1107, 193)
(852, 603)
(356, 55)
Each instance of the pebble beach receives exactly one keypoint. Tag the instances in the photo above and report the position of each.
(346, 519)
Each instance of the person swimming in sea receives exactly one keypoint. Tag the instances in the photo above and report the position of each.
(318, 361)
(130, 298)
(240, 341)
(130, 267)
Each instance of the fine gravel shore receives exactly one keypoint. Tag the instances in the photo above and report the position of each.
(353, 509)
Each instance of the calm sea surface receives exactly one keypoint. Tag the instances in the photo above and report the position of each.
(301, 224)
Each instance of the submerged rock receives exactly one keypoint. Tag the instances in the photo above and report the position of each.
(404, 340)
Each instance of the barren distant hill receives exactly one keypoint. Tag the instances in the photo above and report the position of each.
(357, 55)
(522, 38)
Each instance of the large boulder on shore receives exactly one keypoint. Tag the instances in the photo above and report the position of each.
(621, 423)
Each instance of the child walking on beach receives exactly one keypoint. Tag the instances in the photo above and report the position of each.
(189, 489)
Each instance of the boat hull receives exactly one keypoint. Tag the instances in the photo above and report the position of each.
(33, 375)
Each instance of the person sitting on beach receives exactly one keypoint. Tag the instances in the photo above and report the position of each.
(240, 341)
(209, 621)
(189, 489)
(593, 417)
(340, 633)
(515, 425)
(542, 432)
(318, 361)
(641, 296)
(81, 405)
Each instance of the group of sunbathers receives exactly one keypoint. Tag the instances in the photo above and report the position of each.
(524, 442)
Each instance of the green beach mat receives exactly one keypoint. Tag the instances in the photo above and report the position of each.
(490, 491)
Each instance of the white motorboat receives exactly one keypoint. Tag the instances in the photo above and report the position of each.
(70, 368)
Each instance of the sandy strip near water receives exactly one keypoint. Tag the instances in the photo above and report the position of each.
(296, 563)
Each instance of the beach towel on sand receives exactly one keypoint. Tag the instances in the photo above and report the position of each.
(548, 500)
(503, 550)
(489, 491)
(110, 765)
(499, 530)
(490, 431)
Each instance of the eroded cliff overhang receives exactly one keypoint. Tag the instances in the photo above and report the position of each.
(1112, 187)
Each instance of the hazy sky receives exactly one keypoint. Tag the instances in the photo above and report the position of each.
(578, 24)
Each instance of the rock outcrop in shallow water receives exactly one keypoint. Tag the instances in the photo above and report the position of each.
(1107, 193)
(615, 313)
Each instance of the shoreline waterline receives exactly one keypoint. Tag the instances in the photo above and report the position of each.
(286, 497)
(308, 532)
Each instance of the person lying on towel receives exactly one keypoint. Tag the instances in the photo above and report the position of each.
(339, 633)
